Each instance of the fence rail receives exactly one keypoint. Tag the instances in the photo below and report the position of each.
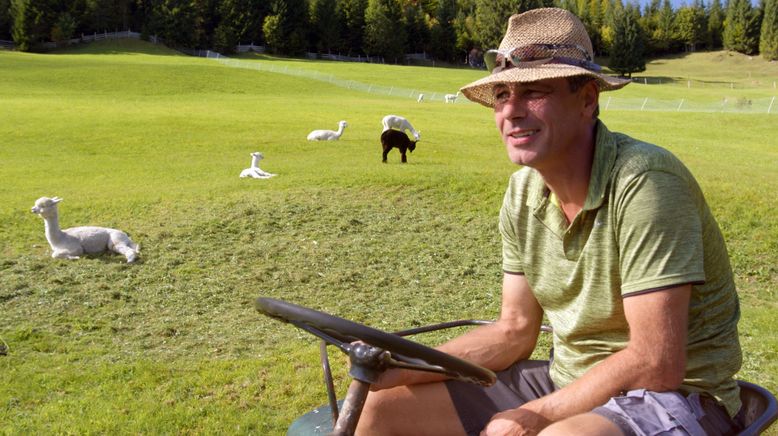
(765, 105)
(696, 84)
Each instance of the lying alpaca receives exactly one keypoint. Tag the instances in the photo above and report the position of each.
(73, 242)
(255, 172)
(327, 135)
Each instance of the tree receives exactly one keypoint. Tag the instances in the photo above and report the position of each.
(491, 18)
(63, 29)
(384, 36)
(715, 25)
(443, 39)
(353, 27)
(628, 49)
(691, 26)
(325, 26)
(287, 26)
(416, 29)
(243, 19)
(32, 22)
(740, 27)
(176, 23)
(5, 19)
(663, 38)
(768, 41)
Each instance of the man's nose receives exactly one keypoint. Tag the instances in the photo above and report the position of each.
(514, 107)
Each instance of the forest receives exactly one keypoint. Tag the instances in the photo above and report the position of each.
(454, 31)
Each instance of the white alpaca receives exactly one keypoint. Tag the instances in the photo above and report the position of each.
(421, 98)
(73, 242)
(397, 122)
(327, 135)
(255, 172)
(452, 98)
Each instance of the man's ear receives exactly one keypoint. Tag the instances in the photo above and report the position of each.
(590, 93)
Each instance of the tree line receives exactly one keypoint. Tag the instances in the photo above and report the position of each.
(454, 31)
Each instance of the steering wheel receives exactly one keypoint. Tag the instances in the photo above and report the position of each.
(403, 353)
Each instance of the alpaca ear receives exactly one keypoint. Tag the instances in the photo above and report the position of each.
(56, 200)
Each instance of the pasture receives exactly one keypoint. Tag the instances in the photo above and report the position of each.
(149, 141)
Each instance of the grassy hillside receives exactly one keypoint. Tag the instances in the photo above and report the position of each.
(140, 138)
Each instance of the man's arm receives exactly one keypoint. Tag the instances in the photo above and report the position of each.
(494, 346)
(654, 359)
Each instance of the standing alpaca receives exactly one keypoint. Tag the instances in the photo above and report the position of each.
(327, 135)
(399, 123)
(73, 242)
(395, 139)
(255, 172)
(452, 98)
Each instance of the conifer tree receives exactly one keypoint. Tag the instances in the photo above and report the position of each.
(325, 26)
(416, 29)
(740, 27)
(32, 22)
(5, 19)
(768, 41)
(384, 36)
(661, 41)
(443, 38)
(353, 27)
(627, 54)
(691, 26)
(491, 17)
(715, 25)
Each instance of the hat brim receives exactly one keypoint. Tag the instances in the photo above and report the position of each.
(480, 91)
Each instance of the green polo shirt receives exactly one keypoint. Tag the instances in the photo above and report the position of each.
(645, 226)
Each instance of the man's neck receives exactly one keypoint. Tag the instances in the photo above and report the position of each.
(569, 181)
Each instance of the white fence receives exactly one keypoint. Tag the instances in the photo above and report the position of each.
(766, 105)
(697, 84)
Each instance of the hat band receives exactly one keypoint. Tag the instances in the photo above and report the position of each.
(538, 54)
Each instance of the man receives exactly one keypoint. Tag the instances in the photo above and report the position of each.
(611, 239)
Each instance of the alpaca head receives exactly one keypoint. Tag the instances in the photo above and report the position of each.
(45, 206)
(258, 155)
(343, 124)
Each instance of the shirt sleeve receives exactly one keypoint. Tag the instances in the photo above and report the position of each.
(660, 233)
(511, 261)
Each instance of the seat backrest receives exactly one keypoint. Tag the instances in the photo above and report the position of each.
(759, 410)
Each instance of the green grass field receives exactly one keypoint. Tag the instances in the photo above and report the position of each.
(140, 138)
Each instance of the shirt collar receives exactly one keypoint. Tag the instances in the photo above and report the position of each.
(604, 157)
(605, 151)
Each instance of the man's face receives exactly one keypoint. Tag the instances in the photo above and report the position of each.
(540, 121)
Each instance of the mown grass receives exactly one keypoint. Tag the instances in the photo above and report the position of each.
(140, 138)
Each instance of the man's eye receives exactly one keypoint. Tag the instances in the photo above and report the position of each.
(535, 93)
(502, 95)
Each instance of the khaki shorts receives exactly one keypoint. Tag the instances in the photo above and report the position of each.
(639, 412)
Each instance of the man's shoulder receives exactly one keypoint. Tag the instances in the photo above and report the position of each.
(635, 157)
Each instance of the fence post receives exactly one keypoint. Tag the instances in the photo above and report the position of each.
(771, 105)
(688, 83)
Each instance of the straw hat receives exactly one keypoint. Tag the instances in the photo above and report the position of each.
(540, 44)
